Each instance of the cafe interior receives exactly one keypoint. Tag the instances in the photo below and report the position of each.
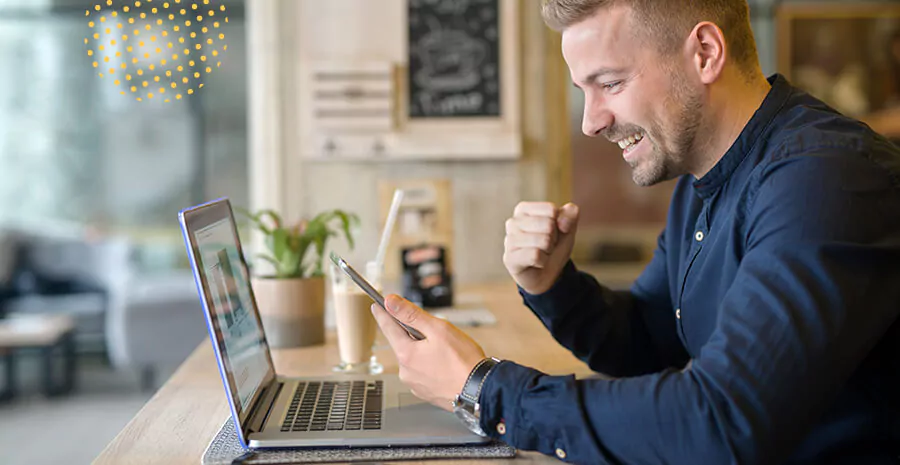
(398, 132)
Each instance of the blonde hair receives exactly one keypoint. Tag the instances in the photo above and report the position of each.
(668, 22)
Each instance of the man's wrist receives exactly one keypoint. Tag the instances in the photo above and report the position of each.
(568, 271)
(471, 391)
(466, 405)
(494, 363)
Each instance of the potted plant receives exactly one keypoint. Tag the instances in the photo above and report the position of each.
(291, 300)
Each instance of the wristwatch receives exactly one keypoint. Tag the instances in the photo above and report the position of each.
(466, 405)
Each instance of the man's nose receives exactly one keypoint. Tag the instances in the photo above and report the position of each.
(596, 120)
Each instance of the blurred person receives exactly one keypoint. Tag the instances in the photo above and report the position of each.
(9, 264)
(765, 329)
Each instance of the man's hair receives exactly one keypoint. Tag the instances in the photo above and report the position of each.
(668, 22)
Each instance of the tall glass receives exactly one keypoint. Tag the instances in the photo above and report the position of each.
(356, 327)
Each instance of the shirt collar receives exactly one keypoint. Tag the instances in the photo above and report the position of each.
(771, 105)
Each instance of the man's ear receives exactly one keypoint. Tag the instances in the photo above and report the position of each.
(707, 50)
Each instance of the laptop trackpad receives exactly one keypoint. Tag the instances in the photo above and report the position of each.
(417, 417)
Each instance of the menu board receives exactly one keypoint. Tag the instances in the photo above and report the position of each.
(454, 58)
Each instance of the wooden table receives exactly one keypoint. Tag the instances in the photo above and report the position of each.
(45, 333)
(185, 414)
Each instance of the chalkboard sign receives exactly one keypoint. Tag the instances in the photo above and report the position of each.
(454, 67)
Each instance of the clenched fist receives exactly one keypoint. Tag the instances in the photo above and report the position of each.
(539, 240)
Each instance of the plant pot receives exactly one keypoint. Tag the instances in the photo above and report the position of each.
(292, 311)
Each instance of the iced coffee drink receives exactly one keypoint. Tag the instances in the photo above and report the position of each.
(356, 327)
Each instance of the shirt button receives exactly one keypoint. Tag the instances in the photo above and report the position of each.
(560, 453)
(501, 428)
(678, 313)
(699, 236)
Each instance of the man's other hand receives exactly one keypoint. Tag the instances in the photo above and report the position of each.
(539, 241)
(435, 369)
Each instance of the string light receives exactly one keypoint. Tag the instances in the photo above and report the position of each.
(103, 45)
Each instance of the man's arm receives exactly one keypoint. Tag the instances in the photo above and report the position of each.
(618, 333)
(814, 294)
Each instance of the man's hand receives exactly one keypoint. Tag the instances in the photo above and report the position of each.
(539, 240)
(436, 368)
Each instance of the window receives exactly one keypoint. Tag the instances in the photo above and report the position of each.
(75, 151)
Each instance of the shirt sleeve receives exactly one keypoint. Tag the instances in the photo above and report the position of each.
(618, 333)
(814, 293)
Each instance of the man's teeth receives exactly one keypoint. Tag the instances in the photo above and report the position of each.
(630, 140)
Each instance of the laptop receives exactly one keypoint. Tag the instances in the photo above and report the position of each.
(271, 411)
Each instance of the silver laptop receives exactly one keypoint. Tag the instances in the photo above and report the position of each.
(270, 410)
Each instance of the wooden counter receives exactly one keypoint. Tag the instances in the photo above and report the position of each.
(181, 419)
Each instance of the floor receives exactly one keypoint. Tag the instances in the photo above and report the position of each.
(71, 429)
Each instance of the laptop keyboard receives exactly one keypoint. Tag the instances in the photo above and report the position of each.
(335, 406)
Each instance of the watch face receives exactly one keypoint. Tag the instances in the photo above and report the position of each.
(464, 415)
(469, 420)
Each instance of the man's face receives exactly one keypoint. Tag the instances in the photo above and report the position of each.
(634, 96)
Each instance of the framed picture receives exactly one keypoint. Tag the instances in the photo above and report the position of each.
(846, 54)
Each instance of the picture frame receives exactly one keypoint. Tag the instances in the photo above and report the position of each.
(847, 54)
(425, 217)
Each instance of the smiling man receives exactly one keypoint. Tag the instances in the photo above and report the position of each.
(765, 329)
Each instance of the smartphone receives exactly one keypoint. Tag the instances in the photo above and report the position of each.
(375, 295)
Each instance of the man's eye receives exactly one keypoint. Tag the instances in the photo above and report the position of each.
(611, 85)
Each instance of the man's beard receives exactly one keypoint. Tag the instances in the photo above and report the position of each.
(665, 163)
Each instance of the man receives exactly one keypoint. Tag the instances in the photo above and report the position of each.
(765, 329)
(11, 262)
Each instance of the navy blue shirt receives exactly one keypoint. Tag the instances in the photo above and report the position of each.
(765, 329)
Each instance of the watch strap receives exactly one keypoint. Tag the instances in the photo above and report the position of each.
(472, 389)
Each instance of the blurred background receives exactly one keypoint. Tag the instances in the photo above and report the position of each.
(465, 104)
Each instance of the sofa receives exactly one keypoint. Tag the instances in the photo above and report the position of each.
(145, 324)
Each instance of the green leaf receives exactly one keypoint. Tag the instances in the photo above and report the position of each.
(256, 220)
(317, 274)
(275, 217)
(301, 252)
(292, 263)
(347, 221)
(279, 244)
(271, 260)
(319, 231)
(320, 252)
(288, 249)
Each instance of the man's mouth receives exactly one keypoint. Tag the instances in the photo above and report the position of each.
(628, 144)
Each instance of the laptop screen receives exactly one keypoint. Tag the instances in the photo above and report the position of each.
(233, 314)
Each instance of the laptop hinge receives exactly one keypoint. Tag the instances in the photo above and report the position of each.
(264, 405)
